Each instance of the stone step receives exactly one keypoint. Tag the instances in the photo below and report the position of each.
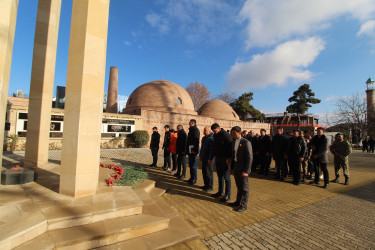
(19, 223)
(101, 206)
(147, 185)
(99, 234)
(157, 192)
(179, 231)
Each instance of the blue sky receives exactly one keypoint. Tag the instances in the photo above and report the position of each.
(269, 47)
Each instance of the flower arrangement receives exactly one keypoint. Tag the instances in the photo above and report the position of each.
(119, 171)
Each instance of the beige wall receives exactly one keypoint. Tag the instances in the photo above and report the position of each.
(160, 118)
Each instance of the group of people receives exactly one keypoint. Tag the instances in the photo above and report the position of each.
(238, 152)
(368, 144)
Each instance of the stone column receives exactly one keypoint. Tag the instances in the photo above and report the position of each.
(41, 85)
(84, 98)
(8, 17)
(112, 91)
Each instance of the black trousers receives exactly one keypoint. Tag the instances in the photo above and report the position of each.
(265, 162)
(281, 167)
(242, 184)
(223, 175)
(207, 172)
(181, 160)
(167, 159)
(323, 167)
(154, 152)
(255, 163)
(295, 165)
(174, 162)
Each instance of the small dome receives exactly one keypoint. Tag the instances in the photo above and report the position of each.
(160, 95)
(218, 109)
(369, 80)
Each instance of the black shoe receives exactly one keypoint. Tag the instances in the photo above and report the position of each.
(164, 168)
(218, 194)
(296, 183)
(281, 179)
(182, 177)
(314, 182)
(225, 198)
(203, 187)
(191, 182)
(240, 209)
(336, 180)
(346, 181)
(325, 186)
(234, 204)
(152, 165)
(208, 189)
(177, 175)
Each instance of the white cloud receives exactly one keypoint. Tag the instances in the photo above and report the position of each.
(368, 28)
(272, 21)
(127, 43)
(158, 22)
(196, 20)
(331, 98)
(287, 61)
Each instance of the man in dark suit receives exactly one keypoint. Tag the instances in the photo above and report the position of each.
(264, 150)
(242, 158)
(320, 156)
(222, 156)
(154, 146)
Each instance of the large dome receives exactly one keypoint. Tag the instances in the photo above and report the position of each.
(218, 109)
(162, 96)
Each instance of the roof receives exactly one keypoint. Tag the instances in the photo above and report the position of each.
(161, 95)
(218, 109)
(18, 101)
(370, 80)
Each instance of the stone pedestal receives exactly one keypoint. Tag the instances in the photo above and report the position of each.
(8, 16)
(112, 97)
(42, 79)
(84, 98)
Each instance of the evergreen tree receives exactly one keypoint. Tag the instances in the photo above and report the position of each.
(301, 101)
(243, 107)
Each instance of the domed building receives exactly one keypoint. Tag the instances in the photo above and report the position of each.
(218, 109)
(160, 103)
(162, 96)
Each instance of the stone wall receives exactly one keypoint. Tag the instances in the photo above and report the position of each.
(153, 118)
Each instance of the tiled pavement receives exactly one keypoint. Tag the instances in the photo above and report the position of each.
(346, 221)
(279, 214)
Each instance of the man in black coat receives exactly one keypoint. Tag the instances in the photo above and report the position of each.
(264, 149)
(167, 154)
(242, 157)
(154, 146)
(296, 155)
(279, 153)
(222, 155)
(320, 156)
(181, 152)
(192, 148)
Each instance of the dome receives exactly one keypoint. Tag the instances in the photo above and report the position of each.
(218, 109)
(162, 96)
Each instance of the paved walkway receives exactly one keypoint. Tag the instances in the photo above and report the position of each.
(289, 216)
(346, 221)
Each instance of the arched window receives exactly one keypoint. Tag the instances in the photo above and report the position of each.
(130, 101)
(179, 101)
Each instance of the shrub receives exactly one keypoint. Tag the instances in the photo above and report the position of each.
(13, 138)
(140, 138)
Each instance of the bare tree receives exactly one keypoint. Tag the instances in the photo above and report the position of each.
(227, 97)
(199, 94)
(352, 110)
